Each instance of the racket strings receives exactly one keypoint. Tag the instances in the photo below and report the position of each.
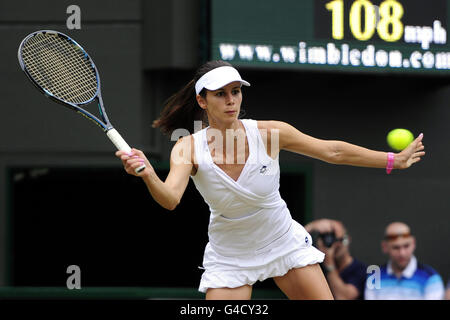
(73, 90)
(60, 67)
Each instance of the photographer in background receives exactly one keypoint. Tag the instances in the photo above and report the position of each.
(346, 275)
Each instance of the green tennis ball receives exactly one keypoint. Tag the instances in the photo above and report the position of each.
(399, 139)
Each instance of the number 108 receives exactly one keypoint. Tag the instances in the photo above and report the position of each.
(389, 26)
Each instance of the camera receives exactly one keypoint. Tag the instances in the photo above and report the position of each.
(328, 238)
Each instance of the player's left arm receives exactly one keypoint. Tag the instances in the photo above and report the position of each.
(338, 152)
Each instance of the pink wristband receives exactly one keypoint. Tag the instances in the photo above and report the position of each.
(390, 163)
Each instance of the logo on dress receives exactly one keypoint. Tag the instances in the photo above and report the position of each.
(306, 240)
(263, 169)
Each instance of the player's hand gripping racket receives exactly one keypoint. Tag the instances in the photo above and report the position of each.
(63, 71)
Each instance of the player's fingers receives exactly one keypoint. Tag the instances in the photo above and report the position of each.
(138, 152)
(119, 153)
(415, 143)
(419, 149)
(133, 167)
(419, 154)
(141, 155)
(419, 138)
(130, 167)
(135, 160)
(136, 165)
(126, 156)
(132, 160)
(122, 155)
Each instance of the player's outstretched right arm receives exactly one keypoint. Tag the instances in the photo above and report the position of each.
(168, 193)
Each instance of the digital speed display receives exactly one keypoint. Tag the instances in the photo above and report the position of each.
(350, 35)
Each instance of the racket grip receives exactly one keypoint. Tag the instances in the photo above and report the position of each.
(121, 145)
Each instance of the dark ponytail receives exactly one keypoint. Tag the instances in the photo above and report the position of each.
(182, 109)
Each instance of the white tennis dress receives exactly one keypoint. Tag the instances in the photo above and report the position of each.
(252, 235)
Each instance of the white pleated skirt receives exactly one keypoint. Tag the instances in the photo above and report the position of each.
(292, 250)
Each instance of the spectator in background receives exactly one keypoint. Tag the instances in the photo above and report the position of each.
(403, 278)
(346, 276)
(447, 292)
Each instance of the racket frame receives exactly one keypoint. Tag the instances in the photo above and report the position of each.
(104, 122)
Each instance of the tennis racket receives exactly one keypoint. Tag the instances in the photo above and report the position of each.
(63, 71)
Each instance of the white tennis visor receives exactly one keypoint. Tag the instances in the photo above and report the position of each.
(218, 78)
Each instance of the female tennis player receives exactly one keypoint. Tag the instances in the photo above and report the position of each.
(234, 165)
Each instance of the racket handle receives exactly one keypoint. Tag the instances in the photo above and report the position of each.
(121, 145)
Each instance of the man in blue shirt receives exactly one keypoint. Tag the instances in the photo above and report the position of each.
(447, 291)
(403, 278)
